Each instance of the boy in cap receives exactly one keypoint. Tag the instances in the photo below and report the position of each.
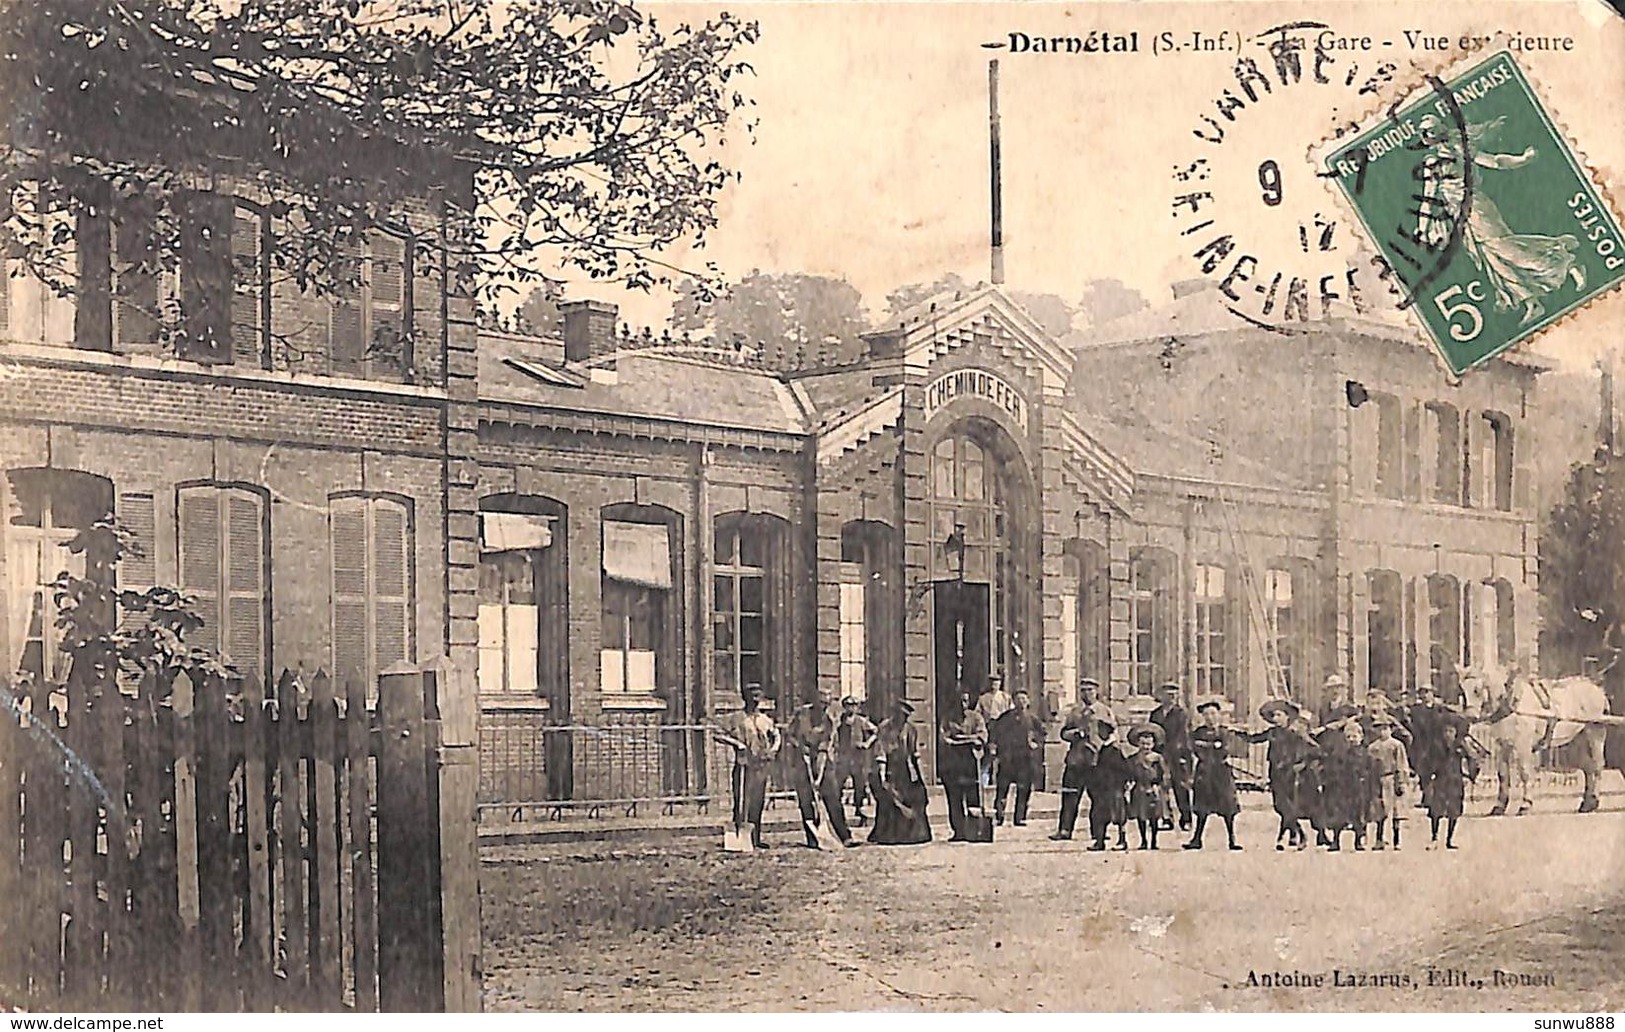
(1388, 756)
(1148, 789)
(1349, 786)
(1213, 789)
(1108, 790)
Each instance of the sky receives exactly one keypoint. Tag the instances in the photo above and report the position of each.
(870, 161)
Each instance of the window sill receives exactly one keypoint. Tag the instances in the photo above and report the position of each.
(631, 701)
(515, 702)
(67, 354)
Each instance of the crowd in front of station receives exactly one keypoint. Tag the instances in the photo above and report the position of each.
(1343, 768)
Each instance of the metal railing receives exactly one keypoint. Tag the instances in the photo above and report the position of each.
(532, 771)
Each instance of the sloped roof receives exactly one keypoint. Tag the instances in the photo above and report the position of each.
(1155, 450)
(682, 385)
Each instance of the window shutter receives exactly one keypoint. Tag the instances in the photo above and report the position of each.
(244, 639)
(388, 299)
(392, 593)
(247, 287)
(206, 278)
(348, 526)
(135, 315)
(136, 513)
(346, 346)
(93, 314)
(5, 297)
(199, 546)
(1523, 474)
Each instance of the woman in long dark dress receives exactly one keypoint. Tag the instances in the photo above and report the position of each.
(896, 782)
(1213, 789)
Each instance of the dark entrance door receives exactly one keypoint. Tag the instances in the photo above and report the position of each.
(960, 641)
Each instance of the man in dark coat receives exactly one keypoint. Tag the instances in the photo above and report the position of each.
(1082, 732)
(1175, 722)
(1018, 750)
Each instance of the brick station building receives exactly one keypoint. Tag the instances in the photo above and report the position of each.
(602, 537)
(1170, 497)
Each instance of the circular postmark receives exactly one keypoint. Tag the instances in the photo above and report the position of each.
(1250, 213)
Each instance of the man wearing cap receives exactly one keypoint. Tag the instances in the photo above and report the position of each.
(1170, 715)
(755, 742)
(812, 733)
(1018, 741)
(1083, 733)
(854, 738)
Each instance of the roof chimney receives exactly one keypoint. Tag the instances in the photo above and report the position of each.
(589, 329)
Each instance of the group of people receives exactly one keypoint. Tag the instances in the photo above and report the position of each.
(1343, 769)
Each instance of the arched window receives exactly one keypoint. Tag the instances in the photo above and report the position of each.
(641, 602)
(968, 491)
(1384, 623)
(1442, 456)
(1153, 619)
(1444, 631)
(868, 608)
(45, 510)
(372, 585)
(750, 610)
(524, 630)
(224, 546)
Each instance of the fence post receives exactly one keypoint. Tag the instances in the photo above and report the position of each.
(459, 778)
(410, 971)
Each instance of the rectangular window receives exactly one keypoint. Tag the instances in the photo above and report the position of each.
(1278, 609)
(1390, 440)
(637, 580)
(224, 550)
(372, 568)
(854, 681)
(748, 576)
(1208, 588)
(1144, 628)
(509, 625)
(37, 310)
(45, 510)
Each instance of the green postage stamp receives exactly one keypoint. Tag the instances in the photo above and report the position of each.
(1492, 227)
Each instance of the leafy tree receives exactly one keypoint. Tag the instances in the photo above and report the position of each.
(1106, 299)
(906, 297)
(539, 312)
(796, 318)
(558, 131)
(1582, 569)
(98, 633)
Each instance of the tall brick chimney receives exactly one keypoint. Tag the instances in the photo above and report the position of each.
(589, 329)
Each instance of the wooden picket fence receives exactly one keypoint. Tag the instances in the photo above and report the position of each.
(181, 846)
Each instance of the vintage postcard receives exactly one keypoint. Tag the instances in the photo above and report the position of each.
(630, 506)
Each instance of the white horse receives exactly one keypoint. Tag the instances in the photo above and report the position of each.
(1521, 715)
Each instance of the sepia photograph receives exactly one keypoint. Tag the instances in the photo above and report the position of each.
(631, 506)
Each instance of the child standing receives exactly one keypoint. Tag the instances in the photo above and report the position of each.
(1148, 792)
(1392, 767)
(1286, 756)
(1448, 789)
(1348, 787)
(1213, 788)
